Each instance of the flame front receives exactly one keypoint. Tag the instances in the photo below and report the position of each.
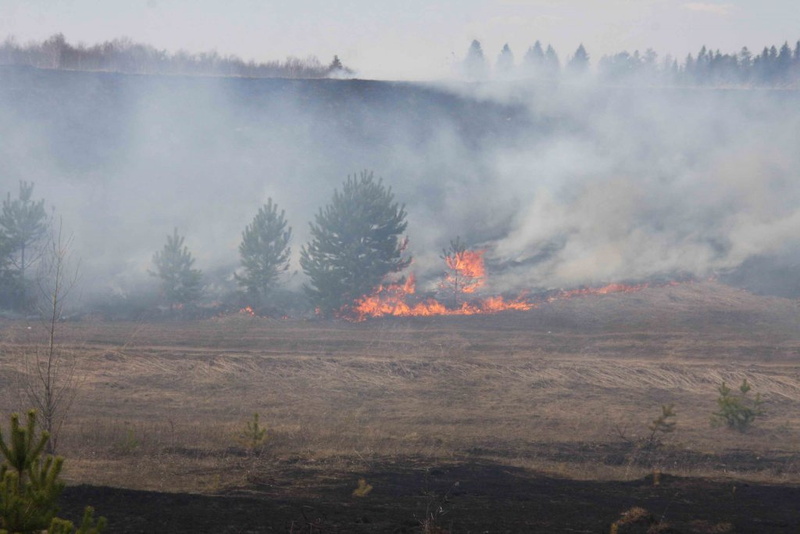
(466, 273)
(393, 300)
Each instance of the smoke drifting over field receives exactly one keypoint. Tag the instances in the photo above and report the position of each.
(562, 186)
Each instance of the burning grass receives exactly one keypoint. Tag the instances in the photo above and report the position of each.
(465, 274)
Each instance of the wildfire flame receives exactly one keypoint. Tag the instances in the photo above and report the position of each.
(467, 271)
(247, 310)
(393, 300)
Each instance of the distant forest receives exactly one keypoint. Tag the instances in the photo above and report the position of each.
(124, 55)
(772, 67)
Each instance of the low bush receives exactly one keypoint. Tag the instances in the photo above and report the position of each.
(737, 411)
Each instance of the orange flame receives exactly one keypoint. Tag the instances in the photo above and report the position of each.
(247, 310)
(392, 300)
(467, 271)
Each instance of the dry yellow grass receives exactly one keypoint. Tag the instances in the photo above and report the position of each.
(161, 405)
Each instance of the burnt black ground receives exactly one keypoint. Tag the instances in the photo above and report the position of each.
(463, 497)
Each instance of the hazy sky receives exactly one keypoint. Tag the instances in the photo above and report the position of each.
(413, 38)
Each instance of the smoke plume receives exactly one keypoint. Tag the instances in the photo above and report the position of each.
(561, 185)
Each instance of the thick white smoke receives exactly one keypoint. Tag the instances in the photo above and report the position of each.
(563, 186)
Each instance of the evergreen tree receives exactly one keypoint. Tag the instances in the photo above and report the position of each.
(533, 63)
(783, 63)
(688, 69)
(23, 224)
(552, 66)
(701, 66)
(505, 62)
(180, 282)
(674, 72)
(761, 67)
(355, 243)
(10, 287)
(30, 485)
(475, 64)
(264, 251)
(745, 64)
(772, 64)
(795, 72)
(579, 64)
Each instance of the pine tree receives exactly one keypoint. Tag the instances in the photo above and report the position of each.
(579, 64)
(355, 243)
(180, 282)
(10, 286)
(795, 71)
(23, 223)
(264, 251)
(552, 65)
(505, 62)
(745, 64)
(30, 485)
(475, 64)
(689, 70)
(533, 62)
(783, 63)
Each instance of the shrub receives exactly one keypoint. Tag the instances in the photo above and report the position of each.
(660, 426)
(363, 488)
(254, 435)
(737, 410)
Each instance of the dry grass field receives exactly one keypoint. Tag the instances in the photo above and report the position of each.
(427, 408)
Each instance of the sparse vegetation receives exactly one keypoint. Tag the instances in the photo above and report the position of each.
(658, 428)
(129, 443)
(436, 507)
(737, 411)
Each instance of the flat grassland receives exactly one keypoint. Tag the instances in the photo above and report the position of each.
(515, 422)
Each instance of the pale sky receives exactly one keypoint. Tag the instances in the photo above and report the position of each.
(410, 39)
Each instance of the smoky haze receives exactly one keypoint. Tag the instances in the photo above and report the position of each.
(562, 185)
